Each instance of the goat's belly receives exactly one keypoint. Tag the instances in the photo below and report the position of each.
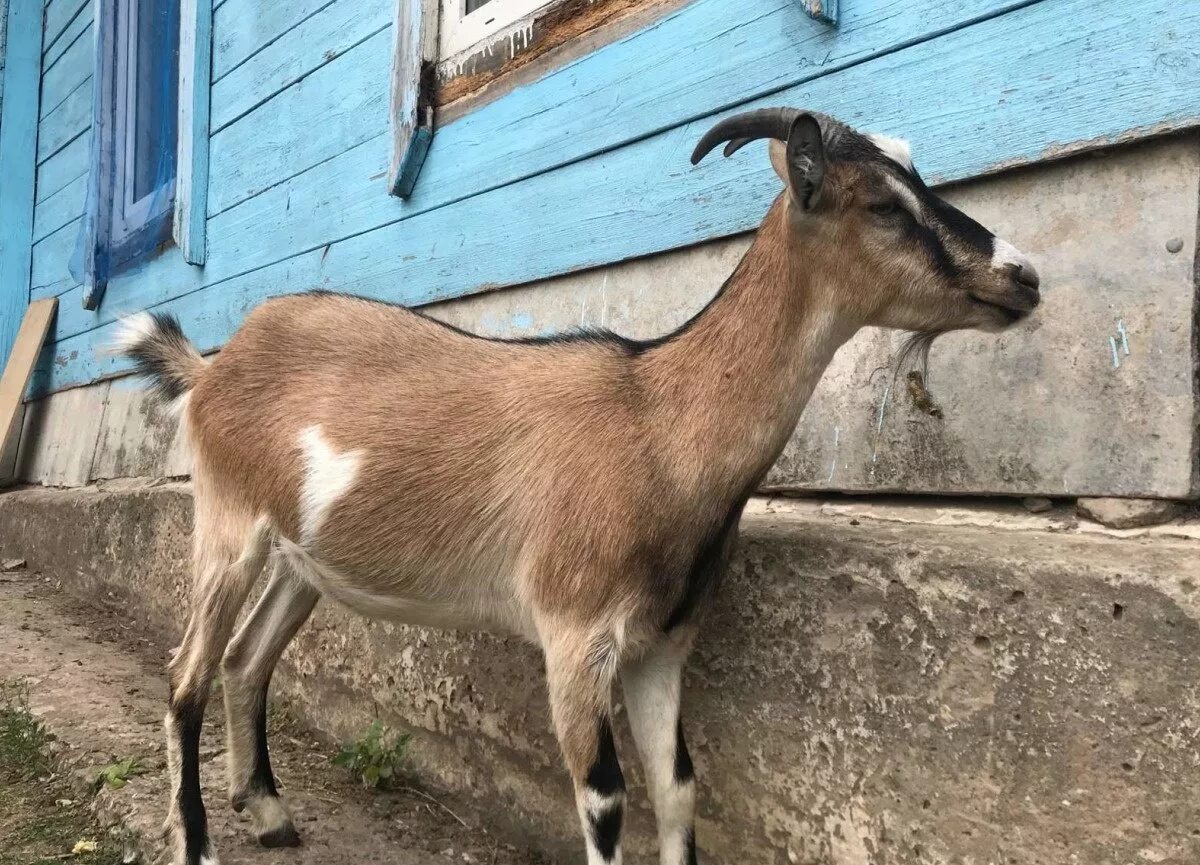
(482, 608)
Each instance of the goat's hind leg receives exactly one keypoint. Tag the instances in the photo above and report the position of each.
(229, 556)
(247, 666)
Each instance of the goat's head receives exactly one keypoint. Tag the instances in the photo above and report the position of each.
(904, 257)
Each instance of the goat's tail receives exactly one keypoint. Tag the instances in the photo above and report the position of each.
(155, 343)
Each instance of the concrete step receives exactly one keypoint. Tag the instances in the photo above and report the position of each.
(896, 684)
(98, 687)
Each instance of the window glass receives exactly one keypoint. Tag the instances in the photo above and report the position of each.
(157, 94)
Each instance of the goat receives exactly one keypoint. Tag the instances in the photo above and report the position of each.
(581, 490)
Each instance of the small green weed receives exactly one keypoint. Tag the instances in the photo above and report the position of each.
(376, 756)
(22, 738)
(116, 775)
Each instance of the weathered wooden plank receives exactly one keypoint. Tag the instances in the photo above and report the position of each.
(66, 122)
(68, 72)
(18, 144)
(706, 55)
(311, 44)
(416, 43)
(1013, 98)
(60, 208)
(49, 273)
(137, 436)
(191, 184)
(18, 369)
(58, 16)
(81, 23)
(316, 209)
(243, 27)
(60, 435)
(312, 121)
(499, 144)
(63, 167)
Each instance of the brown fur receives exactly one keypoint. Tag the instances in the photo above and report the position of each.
(582, 492)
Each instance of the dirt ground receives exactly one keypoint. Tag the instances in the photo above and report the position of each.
(93, 680)
(43, 820)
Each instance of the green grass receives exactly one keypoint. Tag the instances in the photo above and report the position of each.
(376, 756)
(42, 818)
(117, 774)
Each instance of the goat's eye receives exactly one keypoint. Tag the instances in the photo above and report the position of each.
(883, 208)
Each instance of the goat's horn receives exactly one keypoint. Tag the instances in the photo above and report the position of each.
(743, 128)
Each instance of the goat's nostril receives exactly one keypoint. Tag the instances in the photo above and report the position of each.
(1026, 275)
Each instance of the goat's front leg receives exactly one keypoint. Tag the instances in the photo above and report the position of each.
(652, 693)
(580, 668)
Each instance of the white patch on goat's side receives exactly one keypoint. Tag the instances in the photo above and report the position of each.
(327, 477)
(908, 198)
(895, 149)
(132, 330)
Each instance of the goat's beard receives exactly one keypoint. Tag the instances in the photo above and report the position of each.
(914, 353)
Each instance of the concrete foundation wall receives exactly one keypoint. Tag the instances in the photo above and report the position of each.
(1093, 396)
(919, 685)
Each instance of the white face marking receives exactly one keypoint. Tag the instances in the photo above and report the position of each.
(1005, 255)
(908, 198)
(895, 149)
(327, 477)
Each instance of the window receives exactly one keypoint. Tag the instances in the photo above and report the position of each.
(135, 136)
(428, 32)
(145, 123)
(468, 22)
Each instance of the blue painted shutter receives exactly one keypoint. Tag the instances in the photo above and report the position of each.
(413, 67)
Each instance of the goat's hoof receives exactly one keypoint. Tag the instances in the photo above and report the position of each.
(281, 836)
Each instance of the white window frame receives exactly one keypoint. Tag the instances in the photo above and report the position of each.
(460, 31)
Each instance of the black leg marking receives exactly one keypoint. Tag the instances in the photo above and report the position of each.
(691, 847)
(188, 717)
(606, 830)
(685, 772)
(607, 782)
(605, 775)
(262, 779)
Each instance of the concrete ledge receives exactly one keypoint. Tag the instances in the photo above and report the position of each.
(868, 691)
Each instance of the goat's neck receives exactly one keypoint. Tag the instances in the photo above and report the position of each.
(732, 385)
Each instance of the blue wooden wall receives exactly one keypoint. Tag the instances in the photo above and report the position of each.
(585, 166)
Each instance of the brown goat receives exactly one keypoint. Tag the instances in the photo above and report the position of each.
(583, 491)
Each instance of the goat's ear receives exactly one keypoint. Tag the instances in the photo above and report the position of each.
(800, 163)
